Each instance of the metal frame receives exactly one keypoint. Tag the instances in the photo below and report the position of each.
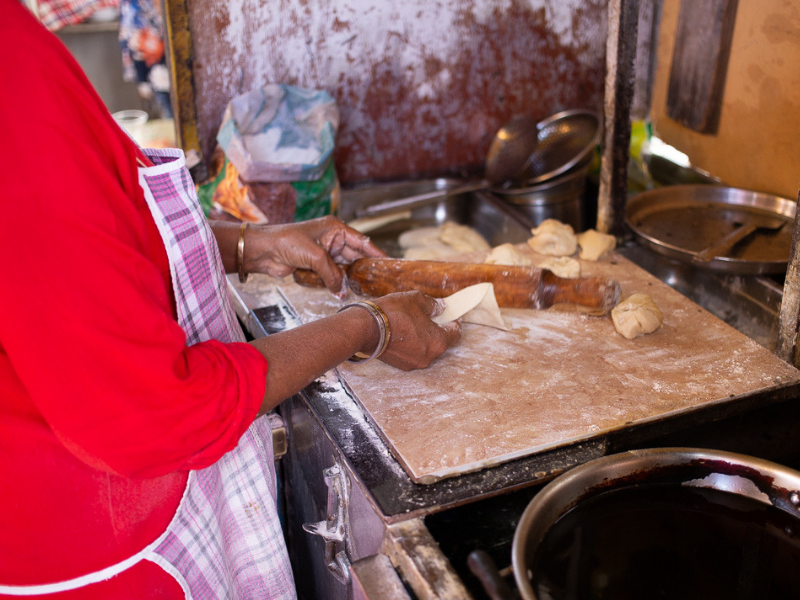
(623, 23)
(181, 56)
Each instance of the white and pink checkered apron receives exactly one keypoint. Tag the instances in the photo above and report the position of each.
(225, 540)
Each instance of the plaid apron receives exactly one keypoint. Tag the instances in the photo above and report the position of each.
(225, 540)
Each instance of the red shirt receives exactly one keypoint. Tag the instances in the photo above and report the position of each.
(103, 408)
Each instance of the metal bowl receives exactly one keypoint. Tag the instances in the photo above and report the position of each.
(676, 469)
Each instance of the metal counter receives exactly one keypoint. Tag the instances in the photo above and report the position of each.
(342, 482)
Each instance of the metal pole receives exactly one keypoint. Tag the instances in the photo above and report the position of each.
(623, 17)
(790, 305)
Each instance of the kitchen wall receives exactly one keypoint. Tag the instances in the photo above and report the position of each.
(422, 85)
(757, 145)
(96, 48)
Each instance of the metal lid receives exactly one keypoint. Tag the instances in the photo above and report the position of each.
(564, 140)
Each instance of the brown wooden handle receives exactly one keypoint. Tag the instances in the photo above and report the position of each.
(484, 568)
(600, 293)
(308, 278)
(514, 287)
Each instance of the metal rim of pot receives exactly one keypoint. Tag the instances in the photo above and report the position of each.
(522, 195)
(758, 479)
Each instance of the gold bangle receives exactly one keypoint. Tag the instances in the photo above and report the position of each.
(384, 330)
(240, 253)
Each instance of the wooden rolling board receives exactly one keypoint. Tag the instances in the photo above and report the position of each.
(557, 377)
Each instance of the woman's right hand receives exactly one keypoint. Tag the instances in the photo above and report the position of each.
(415, 340)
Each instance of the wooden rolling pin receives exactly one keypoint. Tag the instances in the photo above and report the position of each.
(514, 287)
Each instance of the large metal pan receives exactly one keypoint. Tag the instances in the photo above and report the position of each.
(719, 484)
(683, 220)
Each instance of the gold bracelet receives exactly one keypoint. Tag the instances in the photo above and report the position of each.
(240, 253)
(384, 330)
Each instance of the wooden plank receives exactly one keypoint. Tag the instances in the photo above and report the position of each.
(700, 63)
(557, 377)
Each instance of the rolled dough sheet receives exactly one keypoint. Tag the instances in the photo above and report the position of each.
(474, 304)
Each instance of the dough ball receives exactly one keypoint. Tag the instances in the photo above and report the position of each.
(418, 237)
(594, 244)
(554, 238)
(563, 266)
(507, 254)
(462, 238)
(434, 250)
(636, 315)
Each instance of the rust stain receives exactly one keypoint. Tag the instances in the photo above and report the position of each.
(411, 105)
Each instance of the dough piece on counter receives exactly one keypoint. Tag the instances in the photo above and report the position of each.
(636, 315)
(554, 238)
(418, 237)
(433, 250)
(507, 254)
(437, 243)
(462, 238)
(474, 304)
(594, 244)
(563, 266)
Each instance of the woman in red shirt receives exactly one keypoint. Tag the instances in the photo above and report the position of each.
(104, 407)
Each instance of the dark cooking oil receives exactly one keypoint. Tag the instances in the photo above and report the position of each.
(653, 543)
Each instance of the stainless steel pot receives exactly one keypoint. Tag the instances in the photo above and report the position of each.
(762, 481)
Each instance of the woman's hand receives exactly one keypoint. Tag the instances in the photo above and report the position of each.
(415, 339)
(318, 245)
(298, 356)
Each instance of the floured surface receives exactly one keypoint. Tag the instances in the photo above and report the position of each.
(556, 377)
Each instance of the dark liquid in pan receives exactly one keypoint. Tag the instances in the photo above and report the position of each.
(654, 543)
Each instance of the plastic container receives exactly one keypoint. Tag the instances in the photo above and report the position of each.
(132, 121)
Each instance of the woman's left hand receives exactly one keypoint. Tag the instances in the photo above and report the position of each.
(318, 245)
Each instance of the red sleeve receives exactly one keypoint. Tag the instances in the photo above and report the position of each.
(85, 312)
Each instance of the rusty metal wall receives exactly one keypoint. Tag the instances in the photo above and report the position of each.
(422, 85)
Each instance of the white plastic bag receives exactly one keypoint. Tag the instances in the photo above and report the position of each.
(280, 133)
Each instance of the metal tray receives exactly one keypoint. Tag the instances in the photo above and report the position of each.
(680, 221)
(497, 222)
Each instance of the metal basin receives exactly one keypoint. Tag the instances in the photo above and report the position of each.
(681, 221)
(483, 212)
(721, 488)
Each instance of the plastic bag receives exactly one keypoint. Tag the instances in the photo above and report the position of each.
(223, 196)
(280, 133)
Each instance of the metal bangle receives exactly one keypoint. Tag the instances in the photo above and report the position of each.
(240, 254)
(384, 330)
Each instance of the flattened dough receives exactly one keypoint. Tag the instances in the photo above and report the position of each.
(563, 266)
(418, 237)
(636, 315)
(434, 250)
(594, 244)
(554, 238)
(462, 238)
(437, 243)
(474, 304)
(507, 254)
